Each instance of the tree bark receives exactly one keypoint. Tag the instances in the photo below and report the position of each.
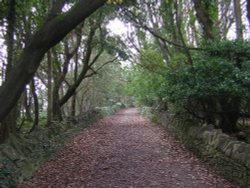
(49, 86)
(59, 78)
(173, 28)
(27, 105)
(178, 23)
(162, 45)
(204, 18)
(73, 107)
(248, 11)
(10, 36)
(8, 124)
(86, 66)
(36, 105)
(46, 37)
(238, 20)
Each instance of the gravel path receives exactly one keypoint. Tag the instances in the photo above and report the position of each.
(125, 150)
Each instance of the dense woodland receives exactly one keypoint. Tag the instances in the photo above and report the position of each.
(193, 64)
(59, 59)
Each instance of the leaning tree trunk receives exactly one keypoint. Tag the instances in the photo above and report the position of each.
(59, 77)
(46, 37)
(86, 66)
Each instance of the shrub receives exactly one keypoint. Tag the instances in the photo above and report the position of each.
(215, 87)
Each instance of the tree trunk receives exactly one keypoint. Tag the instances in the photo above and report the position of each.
(238, 20)
(162, 45)
(248, 11)
(86, 66)
(178, 23)
(73, 109)
(10, 36)
(36, 105)
(60, 77)
(8, 124)
(172, 28)
(202, 12)
(27, 106)
(46, 37)
(49, 86)
(58, 80)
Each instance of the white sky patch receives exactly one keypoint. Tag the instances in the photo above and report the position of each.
(117, 27)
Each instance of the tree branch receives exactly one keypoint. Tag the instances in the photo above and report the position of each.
(52, 32)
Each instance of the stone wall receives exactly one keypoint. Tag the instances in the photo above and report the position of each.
(226, 154)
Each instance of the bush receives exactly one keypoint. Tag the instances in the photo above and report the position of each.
(21, 155)
(216, 86)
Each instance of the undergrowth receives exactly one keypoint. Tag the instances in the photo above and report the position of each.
(22, 155)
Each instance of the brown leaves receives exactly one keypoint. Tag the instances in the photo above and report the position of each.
(125, 150)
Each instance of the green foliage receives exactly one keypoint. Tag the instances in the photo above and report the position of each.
(146, 89)
(21, 156)
(178, 59)
(146, 80)
(7, 172)
(115, 46)
(215, 88)
(213, 9)
(237, 50)
(208, 78)
(216, 85)
(109, 110)
(223, 69)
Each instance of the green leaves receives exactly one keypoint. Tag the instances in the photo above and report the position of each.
(208, 78)
(146, 79)
(215, 73)
(237, 50)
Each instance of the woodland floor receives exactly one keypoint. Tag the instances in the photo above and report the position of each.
(125, 150)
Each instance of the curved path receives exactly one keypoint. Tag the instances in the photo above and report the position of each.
(125, 151)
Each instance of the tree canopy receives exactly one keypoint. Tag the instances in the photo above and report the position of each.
(60, 59)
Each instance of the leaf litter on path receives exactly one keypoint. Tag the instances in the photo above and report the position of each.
(125, 150)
